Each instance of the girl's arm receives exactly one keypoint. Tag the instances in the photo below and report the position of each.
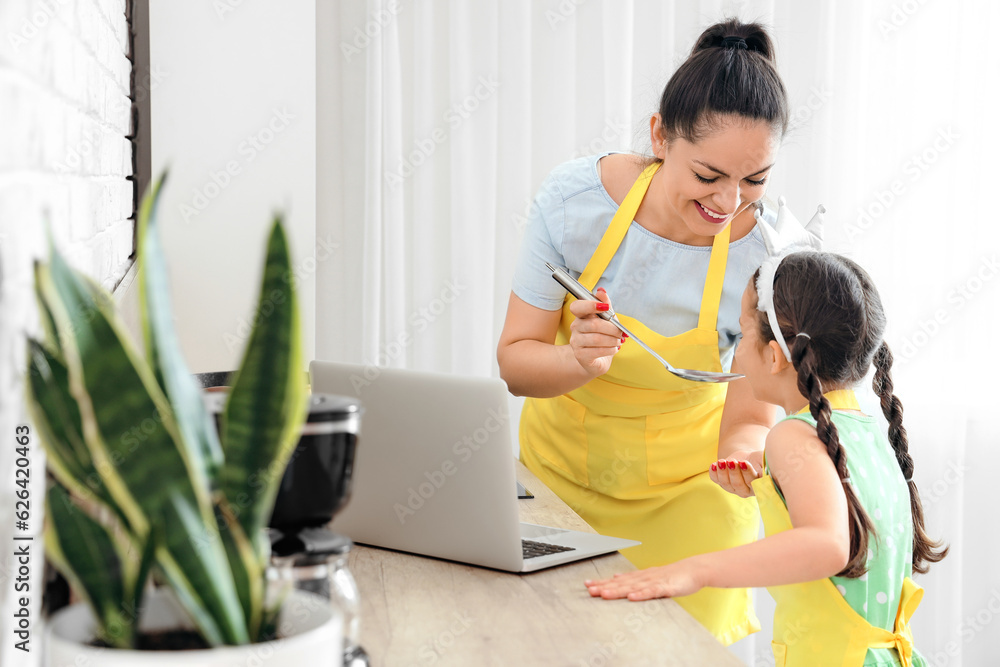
(745, 422)
(532, 365)
(817, 546)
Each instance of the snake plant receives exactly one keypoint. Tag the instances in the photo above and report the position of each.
(145, 482)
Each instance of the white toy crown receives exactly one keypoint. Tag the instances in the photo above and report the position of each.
(786, 237)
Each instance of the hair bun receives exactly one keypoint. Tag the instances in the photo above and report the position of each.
(736, 35)
(730, 71)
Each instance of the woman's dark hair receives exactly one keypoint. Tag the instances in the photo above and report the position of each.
(724, 76)
(834, 301)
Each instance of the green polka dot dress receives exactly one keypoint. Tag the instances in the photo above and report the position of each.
(879, 484)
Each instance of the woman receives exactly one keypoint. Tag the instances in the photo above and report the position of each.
(625, 443)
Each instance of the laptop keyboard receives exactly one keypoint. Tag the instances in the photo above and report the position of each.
(532, 549)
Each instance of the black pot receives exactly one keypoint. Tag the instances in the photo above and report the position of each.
(317, 481)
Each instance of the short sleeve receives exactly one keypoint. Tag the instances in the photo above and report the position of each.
(542, 242)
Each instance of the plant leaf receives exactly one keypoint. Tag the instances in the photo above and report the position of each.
(134, 442)
(57, 419)
(246, 566)
(45, 315)
(95, 568)
(266, 405)
(163, 349)
(138, 575)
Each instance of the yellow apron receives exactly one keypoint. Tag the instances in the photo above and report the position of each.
(814, 626)
(630, 450)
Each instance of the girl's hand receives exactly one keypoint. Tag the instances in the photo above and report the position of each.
(667, 581)
(734, 474)
(594, 340)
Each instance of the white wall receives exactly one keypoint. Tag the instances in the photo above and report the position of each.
(64, 116)
(234, 119)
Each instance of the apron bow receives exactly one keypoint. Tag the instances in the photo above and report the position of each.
(901, 638)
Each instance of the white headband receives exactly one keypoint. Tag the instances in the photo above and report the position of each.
(786, 237)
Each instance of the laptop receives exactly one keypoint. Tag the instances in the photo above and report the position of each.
(434, 472)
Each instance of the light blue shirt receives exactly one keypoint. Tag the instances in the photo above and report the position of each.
(650, 278)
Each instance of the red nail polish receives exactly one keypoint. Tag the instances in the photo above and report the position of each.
(732, 465)
(713, 467)
(601, 289)
(603, 307)
(743, 465)
(625, 335)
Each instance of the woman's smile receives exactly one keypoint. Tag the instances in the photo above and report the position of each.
(710, 214)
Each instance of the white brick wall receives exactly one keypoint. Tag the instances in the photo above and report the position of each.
(64, 117)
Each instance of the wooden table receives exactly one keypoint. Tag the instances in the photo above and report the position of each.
(424, 611)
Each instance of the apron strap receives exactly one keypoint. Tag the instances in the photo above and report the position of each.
(616, 231)
(712, 296)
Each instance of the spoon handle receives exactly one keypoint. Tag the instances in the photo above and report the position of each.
(574, 287)
(615, 321)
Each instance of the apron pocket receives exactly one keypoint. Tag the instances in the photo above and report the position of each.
(779, 651)
(683, 443)
(555, 431)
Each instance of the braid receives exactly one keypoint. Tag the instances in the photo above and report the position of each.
(892, 409)
(804, 361)
(924, 549)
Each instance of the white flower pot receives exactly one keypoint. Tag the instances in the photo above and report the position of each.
(310, 633)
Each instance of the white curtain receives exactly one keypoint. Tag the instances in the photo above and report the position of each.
(448, 115)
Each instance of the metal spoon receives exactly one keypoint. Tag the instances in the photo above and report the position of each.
(581, 292)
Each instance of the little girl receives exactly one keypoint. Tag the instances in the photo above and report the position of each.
(843, 521)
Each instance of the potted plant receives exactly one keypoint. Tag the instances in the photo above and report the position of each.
(146, 486)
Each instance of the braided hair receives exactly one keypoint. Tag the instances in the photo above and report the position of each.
(834, 301)
(925, 550)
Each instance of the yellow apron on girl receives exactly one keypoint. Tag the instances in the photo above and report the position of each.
(630, 450)
(814, 626)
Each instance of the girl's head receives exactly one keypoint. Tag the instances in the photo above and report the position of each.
(832, 302)
(831, 318)
(721, 119)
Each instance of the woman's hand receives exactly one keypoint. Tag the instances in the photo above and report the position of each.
(667, 581)
(594, 340)
(735, 473)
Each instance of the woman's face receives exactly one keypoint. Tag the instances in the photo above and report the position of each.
(753, 355)
(707, 182)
